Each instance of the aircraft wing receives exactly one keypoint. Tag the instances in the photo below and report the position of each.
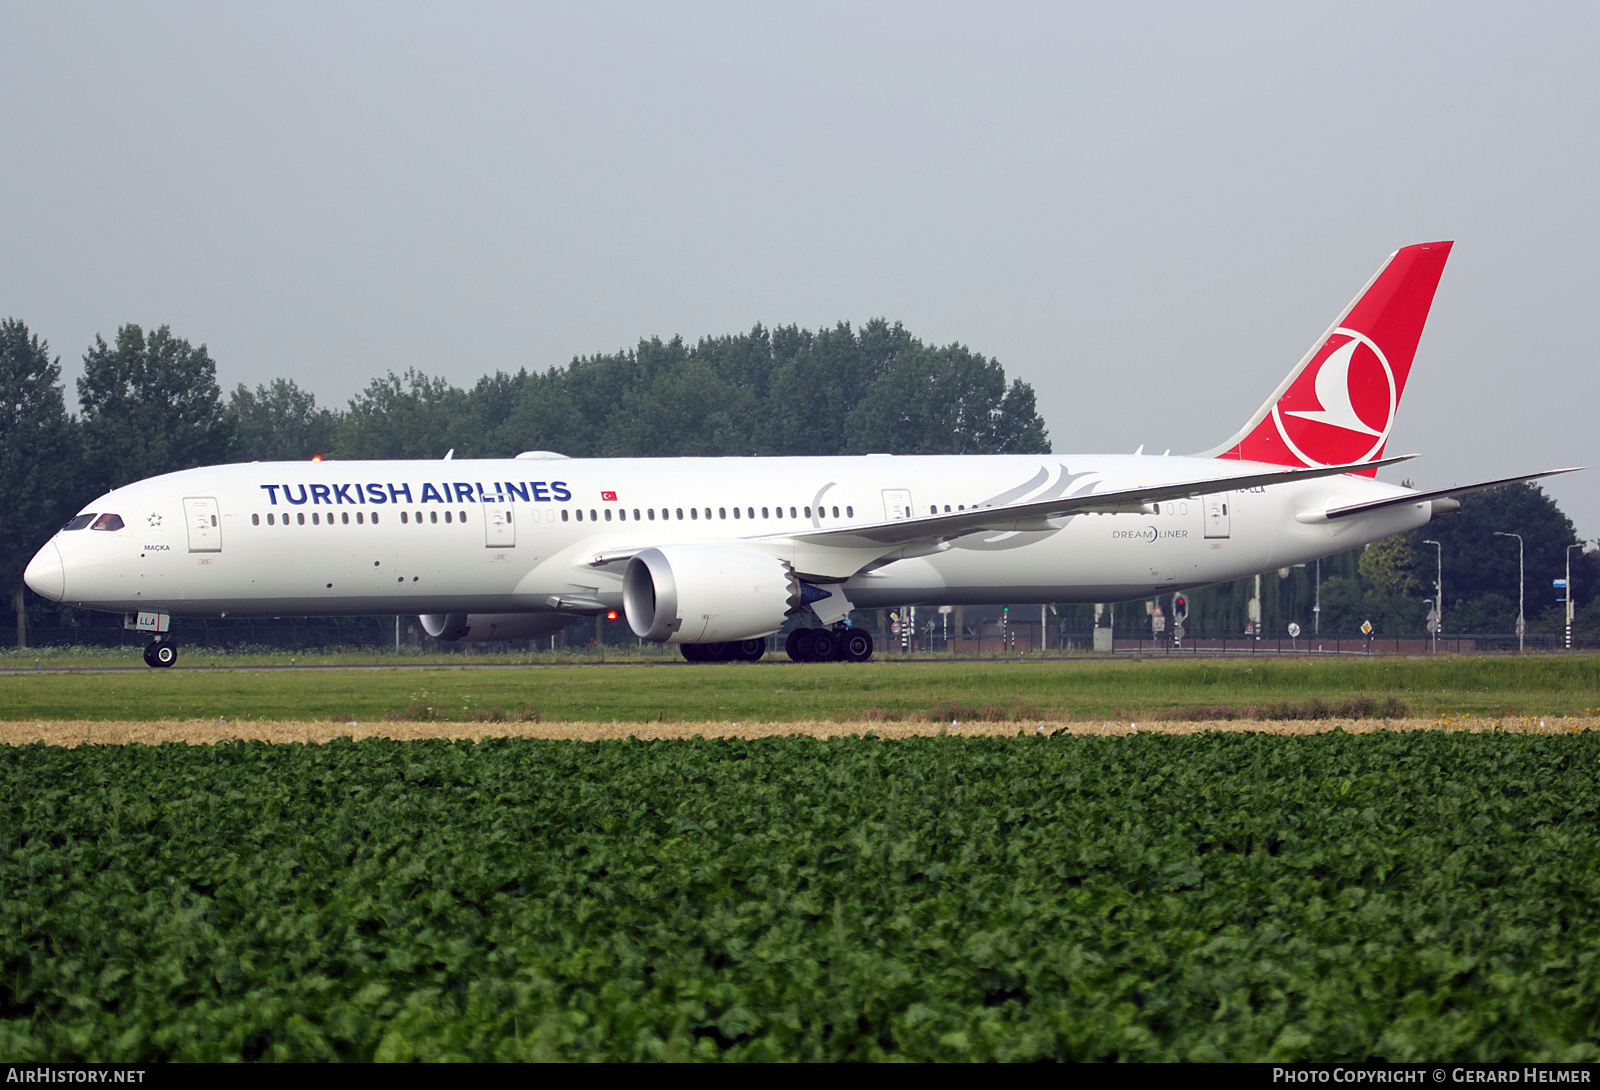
(935, 529)
(1437, 494)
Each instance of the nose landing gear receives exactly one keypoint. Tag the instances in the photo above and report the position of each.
(160, 653)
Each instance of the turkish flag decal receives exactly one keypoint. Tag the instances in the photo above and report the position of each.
(608, 497)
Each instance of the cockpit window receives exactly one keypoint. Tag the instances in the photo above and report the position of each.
(107, 521)
(78, 522)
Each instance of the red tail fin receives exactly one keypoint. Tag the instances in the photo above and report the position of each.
(1338, 405)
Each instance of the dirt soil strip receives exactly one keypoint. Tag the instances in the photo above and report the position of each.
(207, 731)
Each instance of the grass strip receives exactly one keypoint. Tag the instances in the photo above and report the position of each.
(783, 691)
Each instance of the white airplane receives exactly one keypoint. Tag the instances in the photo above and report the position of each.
(715, 553)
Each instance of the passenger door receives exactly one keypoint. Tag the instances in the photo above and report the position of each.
(499, 523)
(1217, 515)
(896, 504)
(205, 529)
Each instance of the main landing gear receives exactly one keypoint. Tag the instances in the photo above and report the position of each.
(160, 653)
(733, 651)
(829, 645)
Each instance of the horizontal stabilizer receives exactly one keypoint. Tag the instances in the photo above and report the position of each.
(1437, 494)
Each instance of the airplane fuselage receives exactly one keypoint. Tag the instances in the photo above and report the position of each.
(535, 535)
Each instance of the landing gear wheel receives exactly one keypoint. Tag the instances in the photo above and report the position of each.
(824, 645)
(160, 653)
(792, 645)
(857, 646)
(749, 650)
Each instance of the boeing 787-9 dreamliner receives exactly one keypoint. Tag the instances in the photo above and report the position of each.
(715, 554)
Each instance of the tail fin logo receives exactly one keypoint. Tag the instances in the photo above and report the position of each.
(1343, 405)
(1338, 404)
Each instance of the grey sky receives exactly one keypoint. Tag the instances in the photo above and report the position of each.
(1148, 212)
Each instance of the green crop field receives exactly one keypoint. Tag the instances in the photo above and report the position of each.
(1423, 896)
(785, 692)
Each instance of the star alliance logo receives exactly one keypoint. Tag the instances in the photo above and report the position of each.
(154, 520)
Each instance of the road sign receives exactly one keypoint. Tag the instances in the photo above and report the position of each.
(1366, 628)
(1558, 582)
(1521, 627)
(894, 628)
(1433, 625)
(1294, 629)
(1177, 632)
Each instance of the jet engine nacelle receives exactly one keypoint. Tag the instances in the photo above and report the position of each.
(481, 627)
(706, 594)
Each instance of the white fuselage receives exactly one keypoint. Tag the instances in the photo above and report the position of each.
(510, 535)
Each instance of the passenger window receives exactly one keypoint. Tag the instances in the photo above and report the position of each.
(462, 516)
(300, 518)
(360, 518)
(564, 514)
(808, 512)
(947, 508)
(722, 512)
(680, 514)
(763, 512)
(651, 511)
(403, 519)
(622, 514)
(835, 512)
(792, 514)
(447, 517)
(694, 512)
(635, 514)
(374, 518)
(255, 520)
(78, 522)
(269, 519)
(608, 514)
(849, 512)
(433, 516)
(316, 519)
(593, 517)
(750, 512)
(580, 514)
(344, 517)
(735, 512)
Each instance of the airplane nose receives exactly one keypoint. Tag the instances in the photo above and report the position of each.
(46, 575)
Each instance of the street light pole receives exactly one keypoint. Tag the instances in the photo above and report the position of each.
(1521, 582)
(1316, 604)
(1568, 589)
(1438, 593)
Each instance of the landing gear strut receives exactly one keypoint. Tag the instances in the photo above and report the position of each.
(160, 653)
(829, 645)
